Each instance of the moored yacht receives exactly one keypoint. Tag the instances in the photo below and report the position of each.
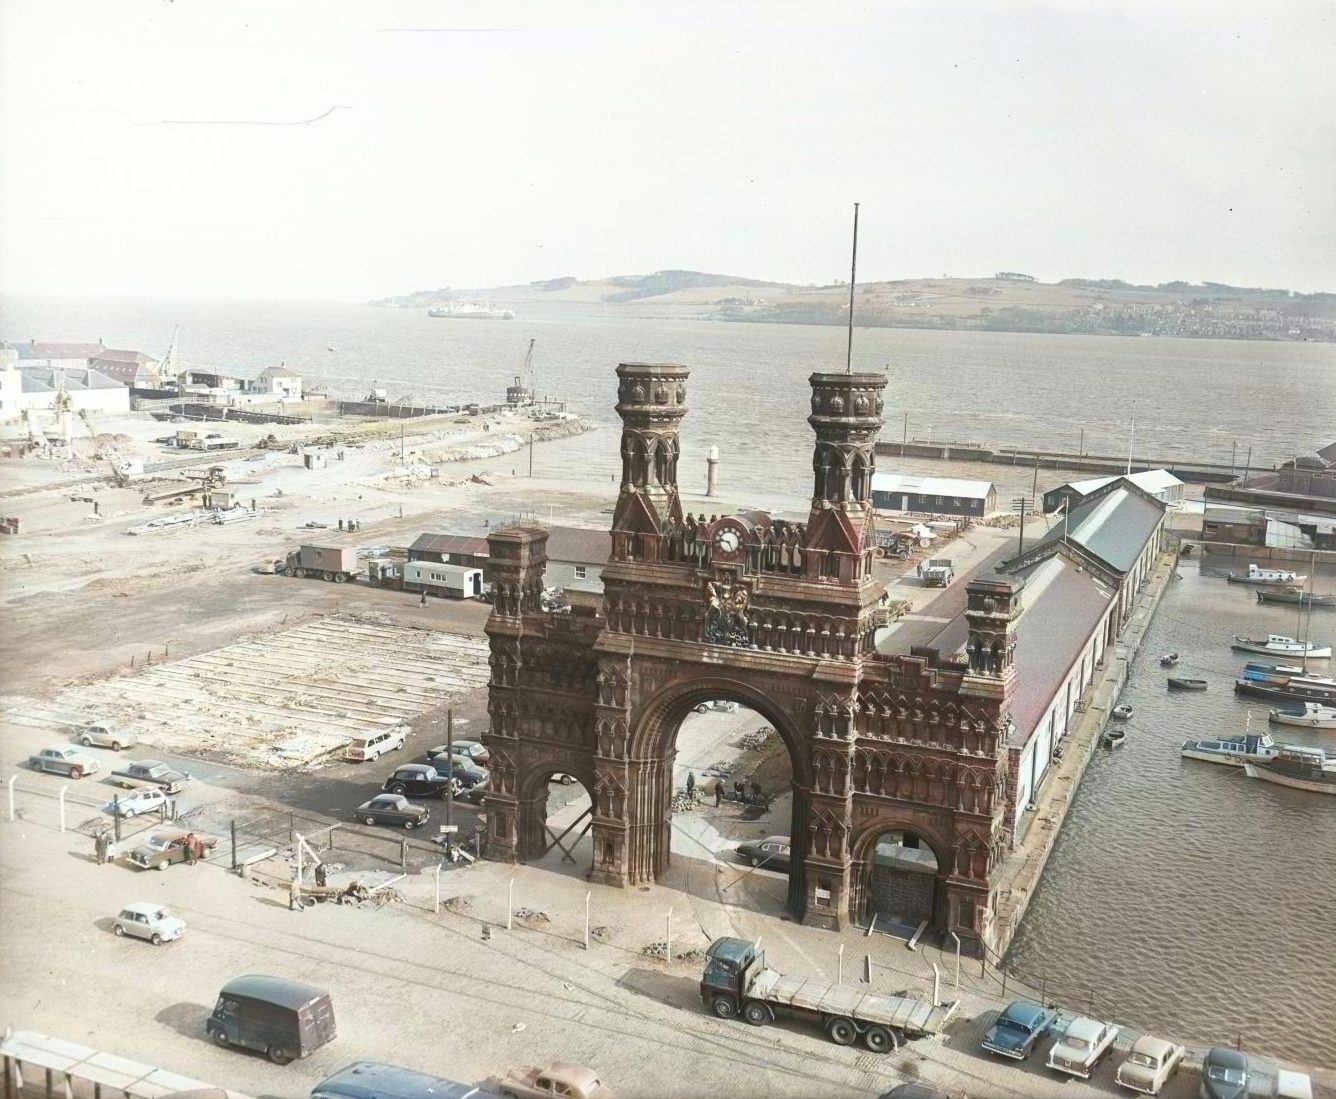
(1298, 768)
(1232, 751)
(1279, 645)
(1309, 715)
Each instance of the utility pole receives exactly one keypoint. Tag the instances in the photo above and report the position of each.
(905, 439)
(1018, 504)
(449, 766)
(1233, 454)
(530, 455)
(1034, 488)
(1131, 438)
(853, 274)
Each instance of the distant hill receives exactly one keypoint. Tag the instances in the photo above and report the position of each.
(1005, 302)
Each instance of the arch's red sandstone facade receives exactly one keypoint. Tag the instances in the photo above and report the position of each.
(779, 616)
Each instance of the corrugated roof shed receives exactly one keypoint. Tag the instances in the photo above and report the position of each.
(578, 545)
(1062, 606)
(450, 543)
(1150, 480)
(1114, 527)
(73, 377)
(931, 486)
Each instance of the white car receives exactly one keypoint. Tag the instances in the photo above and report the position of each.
(1150, 1062)
(104, 736)
(148, 921)
(137, 801)
(1082, 1045)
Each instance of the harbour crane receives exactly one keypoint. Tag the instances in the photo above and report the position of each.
(521, 393)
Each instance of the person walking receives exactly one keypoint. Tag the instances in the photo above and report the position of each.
(756, 790)
(424, 598)
(321, 875)
(100, 845)
(691, 786)
(718, 793)
(192, 849)
(739, 790)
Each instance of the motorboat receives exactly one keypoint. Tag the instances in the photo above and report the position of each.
(1287, 688)
(1299, 768)
(1121, 713)
(1232, 751)
(1168, 660)
(1277, 644)
(1254, 575)
(1113, 737)
(1177, 684)
(1310, 715)
(1295, 595)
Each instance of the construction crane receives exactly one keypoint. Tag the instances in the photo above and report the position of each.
(167, 368)
(119, 475)
(521, 393)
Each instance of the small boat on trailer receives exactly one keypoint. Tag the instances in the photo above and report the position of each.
(1299, 768)
(1295, 595)
(1112, 738)
(1309, 715)
(1178, 684)
(1232, 751)
(1168, 660)
(1277, 644)
(1121, 713)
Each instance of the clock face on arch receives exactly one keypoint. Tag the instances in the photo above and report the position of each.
(727, 541)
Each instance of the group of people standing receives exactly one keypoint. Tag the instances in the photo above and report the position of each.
(741, 790)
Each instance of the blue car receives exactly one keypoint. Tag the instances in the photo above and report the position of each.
(1018, 1029)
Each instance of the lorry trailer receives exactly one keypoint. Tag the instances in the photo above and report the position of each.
(335, 563)
(737, 982)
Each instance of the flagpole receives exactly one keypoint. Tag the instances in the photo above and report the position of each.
(853, 275)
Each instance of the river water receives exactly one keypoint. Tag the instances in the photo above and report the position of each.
(1187, 896)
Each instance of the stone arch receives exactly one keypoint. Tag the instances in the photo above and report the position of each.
(861, 849)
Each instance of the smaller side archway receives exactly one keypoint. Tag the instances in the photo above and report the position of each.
(899, 874)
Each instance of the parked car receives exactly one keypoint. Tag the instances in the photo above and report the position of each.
(282, 1019)
(374, 743)
(562, 777)
(472, 750)
(1018, 1029)
(392, 809)
(64, 759)
(717, 704)
(136, 802)
(167, 846)
(374, 1080)
(151, 772)
(1149, 1063)
(152, 922)
(1082, 1046)
(463, 770)
(417, 780)
(772, 852)
(559, 1078)
(914, 1091)
(477, 791)
(102, 735)
(1224, 1074)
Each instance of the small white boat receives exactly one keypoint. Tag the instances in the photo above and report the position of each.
(1277, 644)
(1298, 768)
(1309, 715)
(1114, 737)
(1254, 575)
(1121, 713)
(1232, 751)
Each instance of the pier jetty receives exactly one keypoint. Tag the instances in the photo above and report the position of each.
(1195, 472)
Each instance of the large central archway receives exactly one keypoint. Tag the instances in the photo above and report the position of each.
(779, 616)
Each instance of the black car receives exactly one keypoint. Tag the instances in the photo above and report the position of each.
(771, 852)
(417, 780)
(392, 809)
(465, 773)
(1224, 1074)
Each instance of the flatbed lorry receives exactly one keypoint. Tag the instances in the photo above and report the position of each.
(737, 982)
(335, 563)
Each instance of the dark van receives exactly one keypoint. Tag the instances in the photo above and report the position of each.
(373, 1080)
(281, 1018)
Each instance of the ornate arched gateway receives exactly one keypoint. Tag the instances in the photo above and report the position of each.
(779, 616)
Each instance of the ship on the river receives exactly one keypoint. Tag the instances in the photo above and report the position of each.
(1276, 644)
(471, 311)
(1264, 681)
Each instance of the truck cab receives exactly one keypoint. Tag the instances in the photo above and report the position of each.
(724, 981)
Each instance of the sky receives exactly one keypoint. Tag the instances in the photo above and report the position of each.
(345, 151)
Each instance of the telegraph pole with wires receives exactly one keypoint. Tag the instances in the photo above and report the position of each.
(1019, 503)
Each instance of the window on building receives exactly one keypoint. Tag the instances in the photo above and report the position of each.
(956, 501)
(581, 572)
